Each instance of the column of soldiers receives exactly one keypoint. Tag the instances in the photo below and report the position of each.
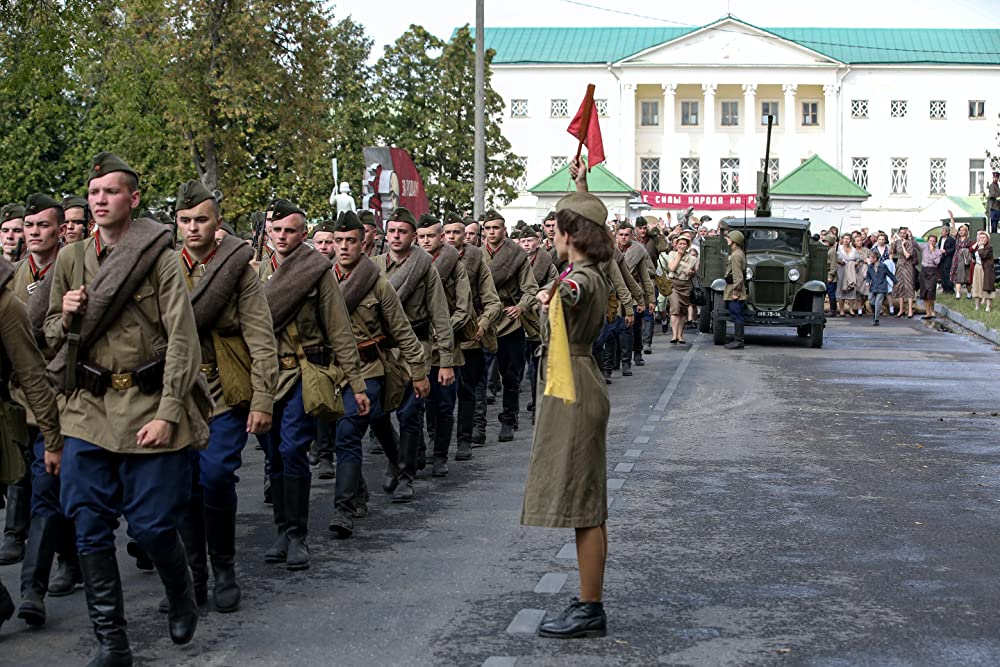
(136, 372)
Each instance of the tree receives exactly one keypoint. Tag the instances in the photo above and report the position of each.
(353, 100)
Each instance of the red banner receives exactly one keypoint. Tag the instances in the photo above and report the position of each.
(700, 202)
(391, 180)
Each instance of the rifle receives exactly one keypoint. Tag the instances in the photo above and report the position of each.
(18, 250)
(258, 232)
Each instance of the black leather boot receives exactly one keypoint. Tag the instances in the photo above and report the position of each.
(6, 605)
(342, 523)
(67, 576)
(35, 571)
(579, 619)
(182, 617)
(106, 607)
(220, 532)
(361, 497)
(408, 469)
(297, 507)
(142, 561)
(192, 531)
(463, 452)
(737, 342)
(506, 433)
(15, 531)
(278, 552)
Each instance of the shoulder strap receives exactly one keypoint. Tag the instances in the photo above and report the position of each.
(76, 322)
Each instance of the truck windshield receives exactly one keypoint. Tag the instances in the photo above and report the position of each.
(775, 240)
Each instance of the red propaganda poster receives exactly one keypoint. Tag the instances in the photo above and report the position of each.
(700, 202)
(391, 180)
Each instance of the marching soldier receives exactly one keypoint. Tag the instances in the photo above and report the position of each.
(77, 219)
(125, 331)
(735, 293)
(367, 219)
(11, 229)
(322, 239)
(410, 271)
(239, 360)
(544, 271)
(312, 327)
(381, 328)
(19, 352)
(473, 233)
(651, 242)
(637, 263)
(516, 288)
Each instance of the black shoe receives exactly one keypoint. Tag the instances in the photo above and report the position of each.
(530, 407)
(640, 362)
(579, 619)
(106, 607)
(220, 534)
(142, 561)
(463, 452)
(875, 323)
(647, 350)
(440, 468)
(390, 478)
(626, 371)
(607, 379)
(325, 469)
(35, 571)
(479, 436)
(297, 509)
(182, 618)
(6, 605)
(665, 327)
(506, 433)
(735, 344)
(404, 492)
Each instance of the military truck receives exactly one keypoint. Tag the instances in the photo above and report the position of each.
(785, 277)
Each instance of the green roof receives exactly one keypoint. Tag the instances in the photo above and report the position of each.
(600, 179)
(816, 178)
(848, 45)
(972, 205)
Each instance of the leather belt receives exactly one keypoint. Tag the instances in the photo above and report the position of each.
(288, 362)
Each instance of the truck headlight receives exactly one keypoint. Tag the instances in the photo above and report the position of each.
(749, 273)
(794, 275)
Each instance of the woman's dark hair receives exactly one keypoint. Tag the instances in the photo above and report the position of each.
(590, 239)
(932, 236)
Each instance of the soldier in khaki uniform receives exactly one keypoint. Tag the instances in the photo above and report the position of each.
(135, 402)
(312, 326)
(516, 288)
(384, 335)
(11, 229)
(322, 453)
(76, 226)
(19, 352)
(367, 219)
(239, 360)
(735, 293)
(544, 271)
(410, 270)
(639, 265)
(831, 272)
(322, 239)
(471, 415)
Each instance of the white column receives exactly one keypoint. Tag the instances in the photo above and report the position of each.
(750, 156)
(669, 160)
(710, 183)
(830, 128)
(789, 148)
(626, 170)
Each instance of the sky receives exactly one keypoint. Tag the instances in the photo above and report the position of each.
(385, 20)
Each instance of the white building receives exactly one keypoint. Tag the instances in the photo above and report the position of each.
(909, 114)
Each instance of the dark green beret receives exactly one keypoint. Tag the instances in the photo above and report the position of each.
(624, 225)
(402, 214)
(105, 163)
(493, 214)
(38, 202)
(282, 208)
(347, 221)
(74, 202)
(191, 194)
(367, 217)
(452, 218)
(329, 227)
(551, 215)
(227, 228)
(11, 212)
(640, 222)
(427, 220)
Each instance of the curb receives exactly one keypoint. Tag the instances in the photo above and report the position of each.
(975, 327)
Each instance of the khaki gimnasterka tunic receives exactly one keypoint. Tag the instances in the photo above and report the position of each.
(22, 354)
(529, 320)
(381, 314)
(738, 270)
(458, 291)
(519, 290)
(248, 316)
(635, 290)
(427, 302)
(326, 301)
(26, 273)
(485, 301)
(159, 316)
(567, 474)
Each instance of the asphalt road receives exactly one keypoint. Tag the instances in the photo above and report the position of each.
(779, 505)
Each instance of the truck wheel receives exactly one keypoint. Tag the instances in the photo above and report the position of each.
(705, 316)
(719, 322)
(816, 330)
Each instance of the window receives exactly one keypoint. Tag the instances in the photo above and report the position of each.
(602, 108)
(689, 113)
(859, 108)
(559, 108)
(730, 175)
(810, 113)
(690, 175)
(938, 169)
(521, 182)
(650, 114)
(977, 109)
(897, 108)
(730, 114)
(649, 174)
(518, 108)
(898, 175)
(558, 162)
(977, 177)
(859, 171)
(772, 170)
(768, 109)
(939, 109)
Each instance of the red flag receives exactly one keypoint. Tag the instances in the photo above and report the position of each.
(587, 129)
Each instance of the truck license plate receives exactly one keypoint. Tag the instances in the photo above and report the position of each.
(768, 313)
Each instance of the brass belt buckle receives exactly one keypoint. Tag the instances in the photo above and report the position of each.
(121, 381)
(288, 363)
(209, 370)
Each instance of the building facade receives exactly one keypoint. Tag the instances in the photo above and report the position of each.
(909, 115)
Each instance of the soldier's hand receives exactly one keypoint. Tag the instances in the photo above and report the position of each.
(513, 312)
(53, 462)
(364, 405)
(422, 388)
(446, 377)
(74, 301)
(650, 307)
(629, 320)
(155, 435)
(258, 422)
(479, 334)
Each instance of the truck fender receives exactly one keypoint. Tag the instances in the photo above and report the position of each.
(815, 286)
(719, 285)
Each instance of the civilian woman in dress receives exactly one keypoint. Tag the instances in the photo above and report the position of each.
(904, 253)
(862, 285)
(930, 260)
(983, 281)
(961, 265)
(680, 266)
(848, 259)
